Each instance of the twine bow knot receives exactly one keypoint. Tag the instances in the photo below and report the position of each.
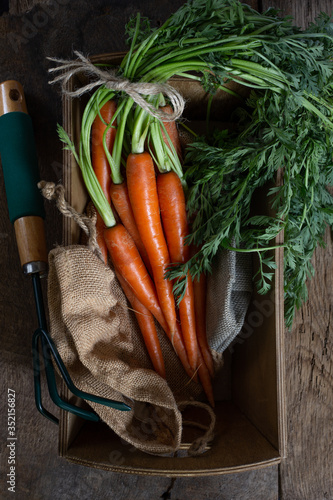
(110, 79)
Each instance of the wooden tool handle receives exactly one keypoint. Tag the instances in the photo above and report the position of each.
(12, 97)
(30, 239)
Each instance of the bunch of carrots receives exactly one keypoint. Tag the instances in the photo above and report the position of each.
(142, 228)
(132, 167)
(131, 163)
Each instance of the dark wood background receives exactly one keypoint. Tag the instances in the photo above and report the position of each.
(31, 30)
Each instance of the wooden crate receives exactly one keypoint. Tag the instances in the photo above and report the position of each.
(251, 417)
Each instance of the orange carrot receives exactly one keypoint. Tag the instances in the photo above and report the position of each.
(100, 163)
(121, 202)
(172, 131)
(142, 191)
(127, 260)
(125, 256)
(187, 322)
(147, 327)
(177, 341)
(98, 157)
(173, 212)
(199, 287)
(205, 380)
(100, 227)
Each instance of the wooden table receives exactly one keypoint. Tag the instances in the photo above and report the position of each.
(29, 32)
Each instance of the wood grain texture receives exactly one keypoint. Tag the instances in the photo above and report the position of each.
(30, 239)
(12, 98)
(307, 472)
(27, 37)
(302, 11)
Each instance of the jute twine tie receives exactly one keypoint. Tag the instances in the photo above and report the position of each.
(111, 81)
(199, 445)
(50, 191)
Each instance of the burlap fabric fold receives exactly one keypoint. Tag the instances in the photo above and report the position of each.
(229, 293)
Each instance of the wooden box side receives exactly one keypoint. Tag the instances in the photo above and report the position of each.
(238, 445)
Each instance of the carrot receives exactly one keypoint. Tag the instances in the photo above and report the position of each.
(147, 327)
(114, 192)
(126, 258)
(199, 286)
(100, 163)
(142, 191)
(205, 379)
(176, 340)
(122, 205)
(98, 157)
(187, 322)
(172, 132)
(100, 227)
(173, 212)
(178, 344)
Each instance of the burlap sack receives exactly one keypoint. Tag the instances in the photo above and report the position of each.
(97, 336)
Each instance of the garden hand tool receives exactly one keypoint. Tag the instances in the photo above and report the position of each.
(26, 212)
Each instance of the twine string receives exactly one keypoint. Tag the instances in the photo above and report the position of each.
(109, 78)
(199, 445)
(51, 191)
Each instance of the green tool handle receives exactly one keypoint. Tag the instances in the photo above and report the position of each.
(21, 175)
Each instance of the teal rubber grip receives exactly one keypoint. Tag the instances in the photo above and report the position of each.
(20, 166)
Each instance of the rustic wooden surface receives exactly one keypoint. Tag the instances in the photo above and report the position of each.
(29, 32)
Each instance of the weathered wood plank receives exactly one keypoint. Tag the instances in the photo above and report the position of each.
(96, 27)
(307, 472)
(302, 11)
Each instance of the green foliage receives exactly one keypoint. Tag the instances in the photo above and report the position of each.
(226, 174)
(286, 127)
